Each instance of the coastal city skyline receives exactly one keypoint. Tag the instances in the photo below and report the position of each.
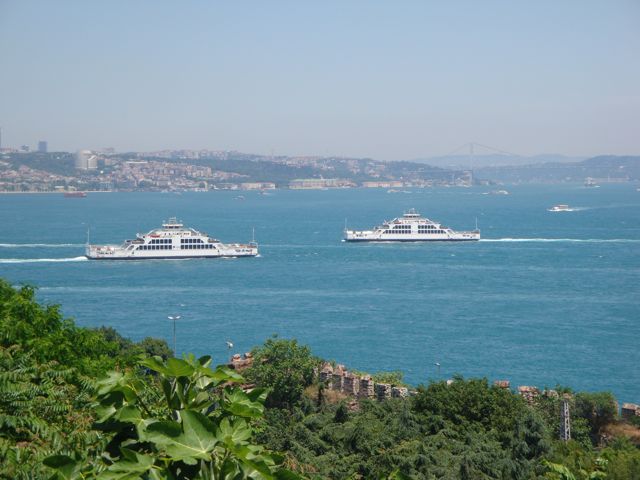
(373, 81)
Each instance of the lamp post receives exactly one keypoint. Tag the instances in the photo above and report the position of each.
(174, 318)
(437, 364)
(229, 346)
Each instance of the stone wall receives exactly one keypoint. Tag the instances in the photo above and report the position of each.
(338, 378)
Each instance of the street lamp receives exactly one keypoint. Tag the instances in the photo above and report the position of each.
(229, 346)
(437, 364)
(174, 318)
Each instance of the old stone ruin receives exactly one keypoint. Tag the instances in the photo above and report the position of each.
(240, 362)
(339, 379)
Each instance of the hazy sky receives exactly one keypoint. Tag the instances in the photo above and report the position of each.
(389, 80)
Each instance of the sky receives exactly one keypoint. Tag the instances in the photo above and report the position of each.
(390, 80)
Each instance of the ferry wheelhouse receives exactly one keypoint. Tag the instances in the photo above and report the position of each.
(172, 240)
(411, 227)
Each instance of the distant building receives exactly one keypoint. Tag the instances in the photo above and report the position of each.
(383, 184)
(86, 160)
(42, 146)
(319, 183)
(24, 148)
(257, 186)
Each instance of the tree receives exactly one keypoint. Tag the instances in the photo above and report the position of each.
(599, 409)
(188, 423)
(43, 409)
(471, 403)
(285, 368)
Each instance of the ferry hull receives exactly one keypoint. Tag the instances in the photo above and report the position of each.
(371, 236)
(406, 240)
(106, 252)
(182, 257)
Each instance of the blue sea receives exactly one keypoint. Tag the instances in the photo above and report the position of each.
(543, 299)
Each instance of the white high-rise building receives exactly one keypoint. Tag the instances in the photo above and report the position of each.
(86, 160)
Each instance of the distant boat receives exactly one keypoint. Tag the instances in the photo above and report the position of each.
(75, 194)
(590, 182)
(560, 208)
(497, 192)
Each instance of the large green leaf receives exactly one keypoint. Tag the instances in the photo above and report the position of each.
(179, 368)
(66, 468)
(133, 465)
(224, 374)
(155, 364)
(233, 433)
(194, 441)
(111, 381)
(239, 403)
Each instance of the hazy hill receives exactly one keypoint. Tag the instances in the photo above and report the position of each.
(603, 168)
(465, 161)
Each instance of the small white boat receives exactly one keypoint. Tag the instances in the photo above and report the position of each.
(497, 192)
(560, 208)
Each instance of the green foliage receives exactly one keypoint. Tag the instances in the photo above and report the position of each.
(285, 368)
(395, 378)
(43, 409)
(599, 409)
(187, 422)
(165, 418)
(471, 404)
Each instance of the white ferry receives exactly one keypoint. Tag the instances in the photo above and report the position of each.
(173, 240)
(560, 208)
(411, 227)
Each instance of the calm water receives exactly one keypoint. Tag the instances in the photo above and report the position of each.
(544, 298)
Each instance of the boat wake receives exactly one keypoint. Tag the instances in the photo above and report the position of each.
(40, 245)
(577, 240)
(40, 260)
